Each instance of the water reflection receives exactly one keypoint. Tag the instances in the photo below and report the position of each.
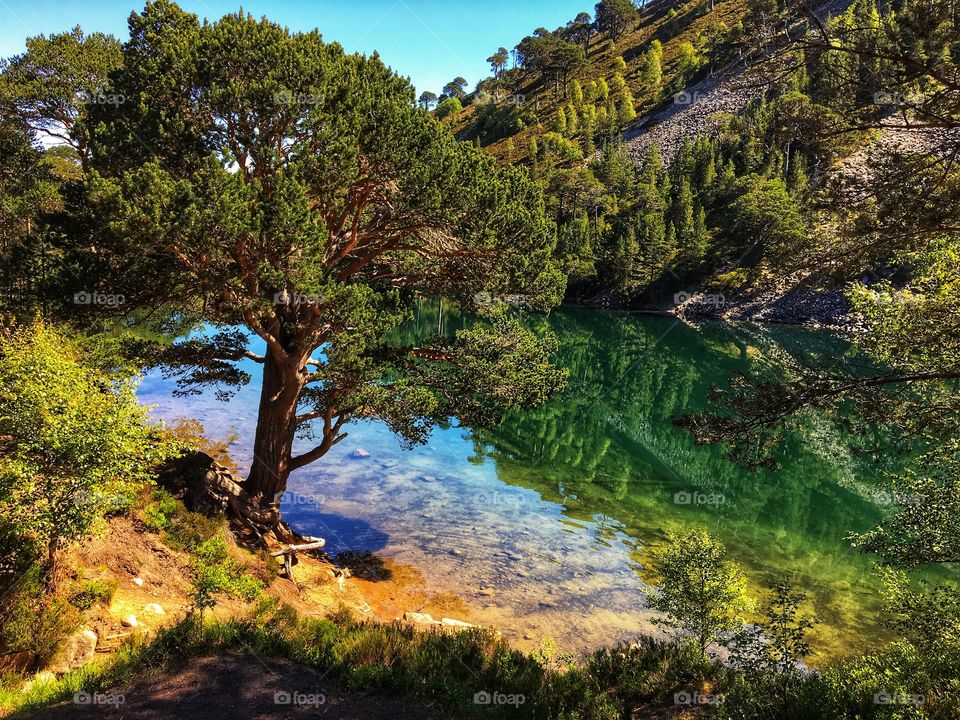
(544, 524)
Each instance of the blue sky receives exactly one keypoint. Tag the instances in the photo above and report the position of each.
(430, 41)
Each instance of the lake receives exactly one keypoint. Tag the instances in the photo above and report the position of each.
(544, 525)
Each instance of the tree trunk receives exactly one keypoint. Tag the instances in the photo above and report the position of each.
(276, 428)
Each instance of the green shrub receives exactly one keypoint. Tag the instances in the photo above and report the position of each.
(156, 515)
(81, 444)
(216, 572)
(92, 592)
(35, 620)
(448, 108)
(181, 528)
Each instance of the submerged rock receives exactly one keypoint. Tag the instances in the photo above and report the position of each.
(359, 454)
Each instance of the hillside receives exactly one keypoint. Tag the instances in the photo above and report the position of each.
(684, 96)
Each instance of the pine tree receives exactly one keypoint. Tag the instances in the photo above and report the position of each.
(533, 152)
(617, 83)
(651, 70)
(560, 121)
(628, 113)
(576, 93)
(573, 120)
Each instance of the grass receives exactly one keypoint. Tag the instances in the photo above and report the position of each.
(640, 680)
(446, 668)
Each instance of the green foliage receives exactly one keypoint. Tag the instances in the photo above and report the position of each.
(88, 593)
(553, 57)
(769, 654)
(615, 17)
(702, 593)
(323, 244)
(216, 572)
(768, 219)
(53, 85)
(651, 68)
(448, 108)
(77, 444)
(34, 620)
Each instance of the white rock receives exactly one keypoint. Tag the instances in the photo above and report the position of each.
(129, 621)
(419, 618)
(77, 650)
(450, 622)
(138, 582)
(153, 608)
(359, 453)
(42, 678)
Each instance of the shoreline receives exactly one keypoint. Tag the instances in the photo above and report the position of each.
(789, 303)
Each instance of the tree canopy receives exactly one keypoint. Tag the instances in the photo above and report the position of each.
(264, 179)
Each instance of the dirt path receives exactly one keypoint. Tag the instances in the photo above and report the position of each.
(241, 687)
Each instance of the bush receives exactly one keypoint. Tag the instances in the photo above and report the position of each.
(80, 444)
(181, 528)
(93, 592)
(448, 108)
(34, 620)
(216, 572)
(157, 515)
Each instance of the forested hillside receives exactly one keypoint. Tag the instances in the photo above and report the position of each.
(694, 146)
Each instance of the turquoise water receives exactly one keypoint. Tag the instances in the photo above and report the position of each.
(554, 512)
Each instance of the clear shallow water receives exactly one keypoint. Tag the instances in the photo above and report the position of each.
(544, 524)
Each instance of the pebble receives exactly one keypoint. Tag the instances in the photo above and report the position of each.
(129, 621)
(488, 591)
(138, 582)
(153, 608)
